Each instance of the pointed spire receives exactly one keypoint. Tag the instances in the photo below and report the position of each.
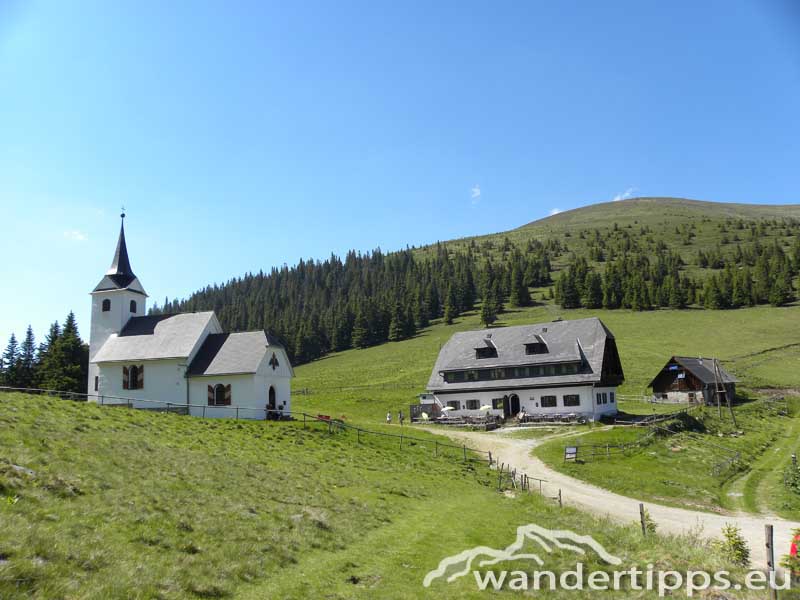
(121, 265)
(120, 275)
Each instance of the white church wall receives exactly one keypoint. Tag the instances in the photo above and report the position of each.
(244, 395)
(105, 324)
(164, 381)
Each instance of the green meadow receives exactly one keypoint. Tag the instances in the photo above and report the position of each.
(105, 503)
(759, 345)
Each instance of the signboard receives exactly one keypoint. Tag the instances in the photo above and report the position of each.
(570, 453)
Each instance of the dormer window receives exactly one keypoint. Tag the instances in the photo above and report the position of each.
(486, 352)
(106, 305)
(133, 306)
(536, 348)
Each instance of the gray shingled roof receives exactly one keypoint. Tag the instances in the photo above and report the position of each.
(567, 341)
(155, 336)
(231, 353)
(702, 368)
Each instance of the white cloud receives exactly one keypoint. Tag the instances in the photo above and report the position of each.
(73, 235)
(475, 193)
(625, 195)
(554, 211)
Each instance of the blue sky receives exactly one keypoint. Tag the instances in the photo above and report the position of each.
(241, 136)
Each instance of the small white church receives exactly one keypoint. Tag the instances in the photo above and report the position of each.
(180, 359)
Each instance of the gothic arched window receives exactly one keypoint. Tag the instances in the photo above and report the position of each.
(133, 306)
(219, 395)
(106, 305)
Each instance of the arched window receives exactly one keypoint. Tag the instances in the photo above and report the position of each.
(106, 305)
(219, 395)
(133, 306)
(133, 377)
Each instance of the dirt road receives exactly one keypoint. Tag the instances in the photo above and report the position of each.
(517, 453)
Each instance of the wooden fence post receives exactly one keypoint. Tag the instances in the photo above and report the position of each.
(770, 545)
(237, 413)
(436, 449)
(401, 441)
(465, 452)
(560, 503)
(304, 420)
(204, 411)
(358, 434)
(642, 519)
(490, 458)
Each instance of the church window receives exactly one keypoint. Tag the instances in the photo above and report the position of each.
(106, 305)
(219, 395)
(133, 306)
(133, 377)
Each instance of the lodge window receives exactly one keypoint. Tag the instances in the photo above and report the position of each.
(611, 397)
(548, 402)
(605, 398)
(133, 306)
(454, 404)
(106, 305)
(497, 403)
(133, 377)
(219, 395)
(473, 405)
(599, 398)
(572, 400)
(96, 383)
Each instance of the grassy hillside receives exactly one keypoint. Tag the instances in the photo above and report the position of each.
(757, 344)
(679, 469)
(104, 503)
(660, 217)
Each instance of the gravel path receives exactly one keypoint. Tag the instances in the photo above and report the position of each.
(517, 453)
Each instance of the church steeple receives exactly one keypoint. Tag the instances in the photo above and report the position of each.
(121, 265)
(120, 275)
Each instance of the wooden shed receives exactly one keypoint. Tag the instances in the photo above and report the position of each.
(692, 380)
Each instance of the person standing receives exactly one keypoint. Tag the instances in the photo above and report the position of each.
(389, 418)
(400, 416)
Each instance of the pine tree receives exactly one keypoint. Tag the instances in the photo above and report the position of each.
(397, 325)
(593, 297)
(360, 336)
(9, 364)
(27, 360)
(520, 295)
(488, 314)
(66, 363)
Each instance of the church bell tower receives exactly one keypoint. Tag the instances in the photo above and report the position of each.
(118, 297)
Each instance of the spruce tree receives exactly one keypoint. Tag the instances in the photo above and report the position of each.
(27, 360)
(488, 314)
(360, 336)
(9, 370)
(397, 325)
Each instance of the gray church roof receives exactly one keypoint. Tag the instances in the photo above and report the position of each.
(155, 336)
(566, 341)
(232, 353)
(120, 275)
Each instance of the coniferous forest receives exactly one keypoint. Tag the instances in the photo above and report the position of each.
(60, 362)
(320, 306)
